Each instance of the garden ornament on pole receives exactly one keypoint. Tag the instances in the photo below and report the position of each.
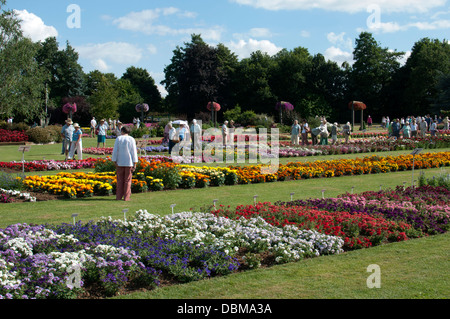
(69, 109)
(357, 106)
(283, 106)
(142, 108)
(214, 108)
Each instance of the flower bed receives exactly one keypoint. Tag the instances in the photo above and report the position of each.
(357, 230)
(75, 185)
(333, 168)
(100, 259)
(49, 165)
(158, 173)
(425, 208)
(7, 136)
(8, 196)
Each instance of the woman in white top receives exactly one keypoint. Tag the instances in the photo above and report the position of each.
(125, 157)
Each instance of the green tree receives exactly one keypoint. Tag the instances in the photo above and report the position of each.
(442, 102)
(194, 77)
(66, 76)
(128, 97)
(104, 99)
(372, 73)
(288, 78)
(326, 85)
(227, 92)
(429, 60)
(22, 79)
(253, 76)
(145, 86)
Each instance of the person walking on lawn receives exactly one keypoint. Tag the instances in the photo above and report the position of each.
(125, 158)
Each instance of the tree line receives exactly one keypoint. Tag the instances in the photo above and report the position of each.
(38, 78)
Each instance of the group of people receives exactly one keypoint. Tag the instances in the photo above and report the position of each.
(415, 126)
(182, 134)
(101, 129)
(319, 135)
(124, 153)
(71, 134)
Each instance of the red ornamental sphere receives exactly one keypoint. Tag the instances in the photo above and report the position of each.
(67, 108)
(358, 106)
(215, 106)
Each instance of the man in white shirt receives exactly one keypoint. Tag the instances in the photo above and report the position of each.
(93, 125)
(423, 128)
(225, 133)
(172, 137)
(125, 157)
(195, 134)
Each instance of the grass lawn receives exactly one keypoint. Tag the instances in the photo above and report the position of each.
(409, 270)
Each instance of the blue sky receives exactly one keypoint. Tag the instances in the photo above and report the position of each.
(113, 35)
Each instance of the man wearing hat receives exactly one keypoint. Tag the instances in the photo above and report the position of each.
(76, 143)
(67, 134)
(102, 130)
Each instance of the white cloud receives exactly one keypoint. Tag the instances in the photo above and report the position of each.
(152, 49)
(245, 48)
(33, 27)
(101, 55)
(101, 65)
(305, 34)
(390, 27)
(340, 40)
(350, 6)
(339, 56)
(158, 77)
(260, 33)
(146, 22)
(254, 33)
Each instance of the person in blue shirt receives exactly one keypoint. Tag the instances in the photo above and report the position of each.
(295, 133)
(102, 130)
(76, 143)
(396, 128)
(67, 133)
(182, 132)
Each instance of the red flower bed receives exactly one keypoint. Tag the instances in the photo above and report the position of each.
(7, 136)
(359, 230)
(28, 166)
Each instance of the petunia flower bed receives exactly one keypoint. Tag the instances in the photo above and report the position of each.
(112, 256)
(356, 230)
(425, 208)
